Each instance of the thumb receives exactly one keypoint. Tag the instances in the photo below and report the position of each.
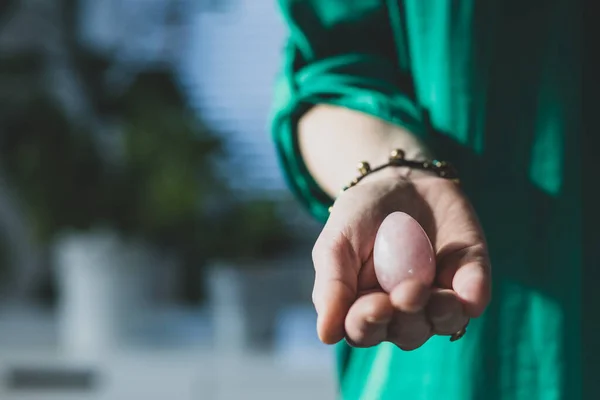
(336, 275)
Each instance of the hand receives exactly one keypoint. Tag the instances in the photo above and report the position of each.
(350, 302)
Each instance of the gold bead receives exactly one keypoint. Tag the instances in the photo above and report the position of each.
(364, 168)
(437, 164)
(397, 154)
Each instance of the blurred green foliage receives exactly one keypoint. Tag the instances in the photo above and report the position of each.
(252, 230)
(167, 176)
(162, 187)
(163, 190)
(3, 259)
(56, 170)
(5, 6)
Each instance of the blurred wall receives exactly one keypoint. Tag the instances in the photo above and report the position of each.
(230, 71)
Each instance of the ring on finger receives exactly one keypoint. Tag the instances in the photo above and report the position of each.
(455, 336)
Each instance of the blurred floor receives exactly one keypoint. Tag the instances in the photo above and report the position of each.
(179, 375)
(296, 369)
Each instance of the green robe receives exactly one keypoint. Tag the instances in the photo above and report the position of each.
(492, 86)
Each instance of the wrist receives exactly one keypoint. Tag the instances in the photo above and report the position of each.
(401, 175)
(399, 169)
(332, 140)
(406, 168)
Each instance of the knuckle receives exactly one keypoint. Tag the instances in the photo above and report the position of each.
(328, 241)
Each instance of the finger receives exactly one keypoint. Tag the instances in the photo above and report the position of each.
(472, 284)
(336, 271)
(368, 319)
(462, 255)
(409, 331)
(445, 312)
(367, 279)
(410, 296)
(467, 271)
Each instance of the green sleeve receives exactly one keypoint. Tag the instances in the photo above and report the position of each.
(347, 53)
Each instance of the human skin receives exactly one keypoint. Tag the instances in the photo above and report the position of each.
(348, 298)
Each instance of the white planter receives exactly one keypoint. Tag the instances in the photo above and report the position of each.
(103, 291)
(226, 298)
(246, 300)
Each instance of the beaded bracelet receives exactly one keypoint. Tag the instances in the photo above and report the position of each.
(442, 169)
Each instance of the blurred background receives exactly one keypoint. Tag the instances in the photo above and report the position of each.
(148, 246)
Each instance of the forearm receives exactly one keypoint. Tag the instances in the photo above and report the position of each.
(334, 139)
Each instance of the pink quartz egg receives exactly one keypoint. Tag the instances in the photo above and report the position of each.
(402, 250)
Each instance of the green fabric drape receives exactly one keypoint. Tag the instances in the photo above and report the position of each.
(493, 87)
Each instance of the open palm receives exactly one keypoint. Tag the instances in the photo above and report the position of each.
(349, 300)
